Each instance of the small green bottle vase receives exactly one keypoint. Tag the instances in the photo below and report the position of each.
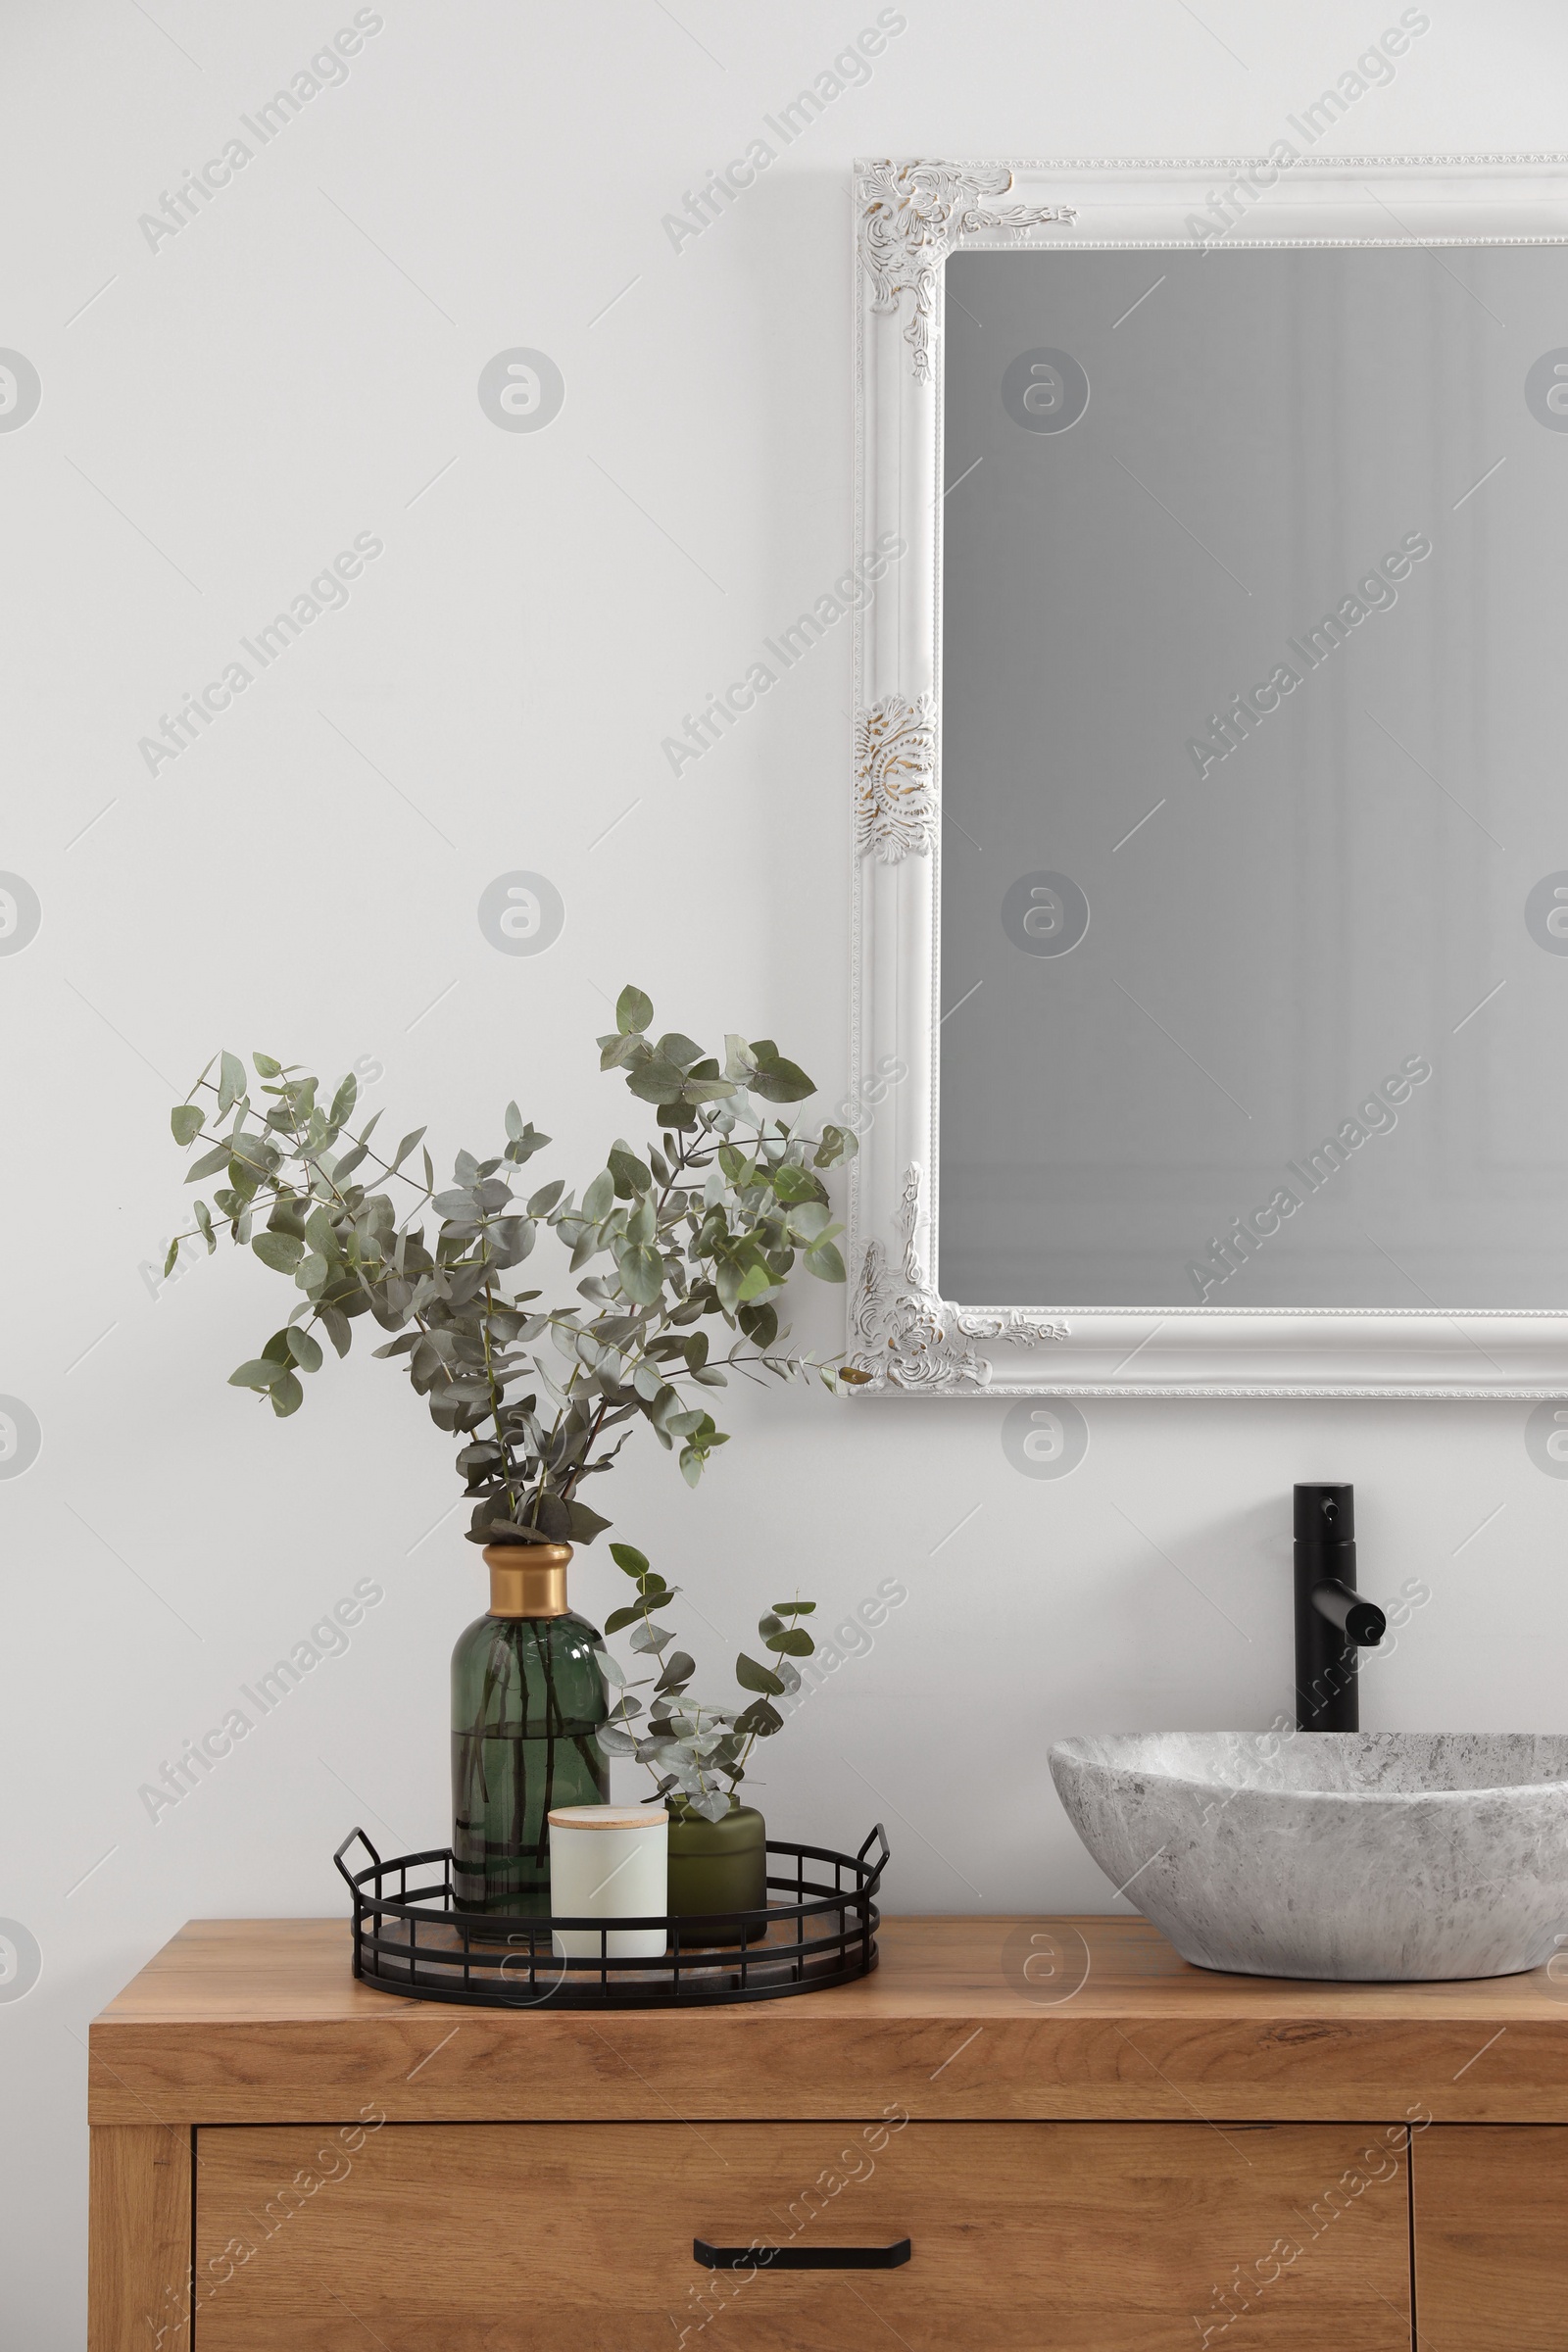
(718, 1865)
(529, 1701)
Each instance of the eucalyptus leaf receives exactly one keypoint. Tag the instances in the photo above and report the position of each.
(522, 1146)
(642, 1273)
(791, 1184)
(666, 1401)
(634, 1011)
(760, 1324)
(654, 1081)
(616, 1050)
(337, 1328)
(208, 1164)
(838, 1143)
(777, 1080)
(281, 1250)
(629, 1172)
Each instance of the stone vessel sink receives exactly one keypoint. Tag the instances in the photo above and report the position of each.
(1398, 1856)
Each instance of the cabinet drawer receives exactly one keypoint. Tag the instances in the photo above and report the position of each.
(578, 2238)
(1491, 2257)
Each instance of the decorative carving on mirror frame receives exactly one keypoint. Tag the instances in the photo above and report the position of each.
(910, 1338)
(911, 215)
(895, 778)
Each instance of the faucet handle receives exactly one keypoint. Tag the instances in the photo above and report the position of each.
(1325, 1513)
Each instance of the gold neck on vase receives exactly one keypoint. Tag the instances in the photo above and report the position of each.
(527, 1579)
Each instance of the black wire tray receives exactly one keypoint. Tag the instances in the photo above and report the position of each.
(412, 1941)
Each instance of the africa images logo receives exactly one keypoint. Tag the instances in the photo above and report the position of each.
(521, 913)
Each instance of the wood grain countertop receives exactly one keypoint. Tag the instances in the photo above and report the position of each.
(261, 2021)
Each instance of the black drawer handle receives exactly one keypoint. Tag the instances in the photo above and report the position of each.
(800, 2258)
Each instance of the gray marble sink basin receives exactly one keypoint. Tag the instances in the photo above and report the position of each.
(1397, 1856)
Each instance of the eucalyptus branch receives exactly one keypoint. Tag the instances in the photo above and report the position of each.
(666, 1261)
(387, 1167)
(697, 1754)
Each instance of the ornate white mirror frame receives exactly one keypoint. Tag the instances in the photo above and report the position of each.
(909, 217)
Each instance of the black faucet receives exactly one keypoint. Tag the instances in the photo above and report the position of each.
(1332, 1621)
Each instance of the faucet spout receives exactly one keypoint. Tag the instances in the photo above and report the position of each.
(1333, 1622)
(1360, 1621)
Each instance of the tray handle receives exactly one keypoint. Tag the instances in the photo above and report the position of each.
(878, 1837)
(346, 1874)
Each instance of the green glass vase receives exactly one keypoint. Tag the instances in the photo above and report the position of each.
(529, 1701)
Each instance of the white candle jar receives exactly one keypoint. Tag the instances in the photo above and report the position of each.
(610, 1862)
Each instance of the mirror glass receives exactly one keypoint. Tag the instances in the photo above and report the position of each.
(1254, 822)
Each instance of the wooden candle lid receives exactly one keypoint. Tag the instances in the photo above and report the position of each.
(608, 1817)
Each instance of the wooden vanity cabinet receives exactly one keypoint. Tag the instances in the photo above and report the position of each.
(1492, 2236)
(936, 2157)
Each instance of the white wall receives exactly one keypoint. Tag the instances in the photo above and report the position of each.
(298, 366)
